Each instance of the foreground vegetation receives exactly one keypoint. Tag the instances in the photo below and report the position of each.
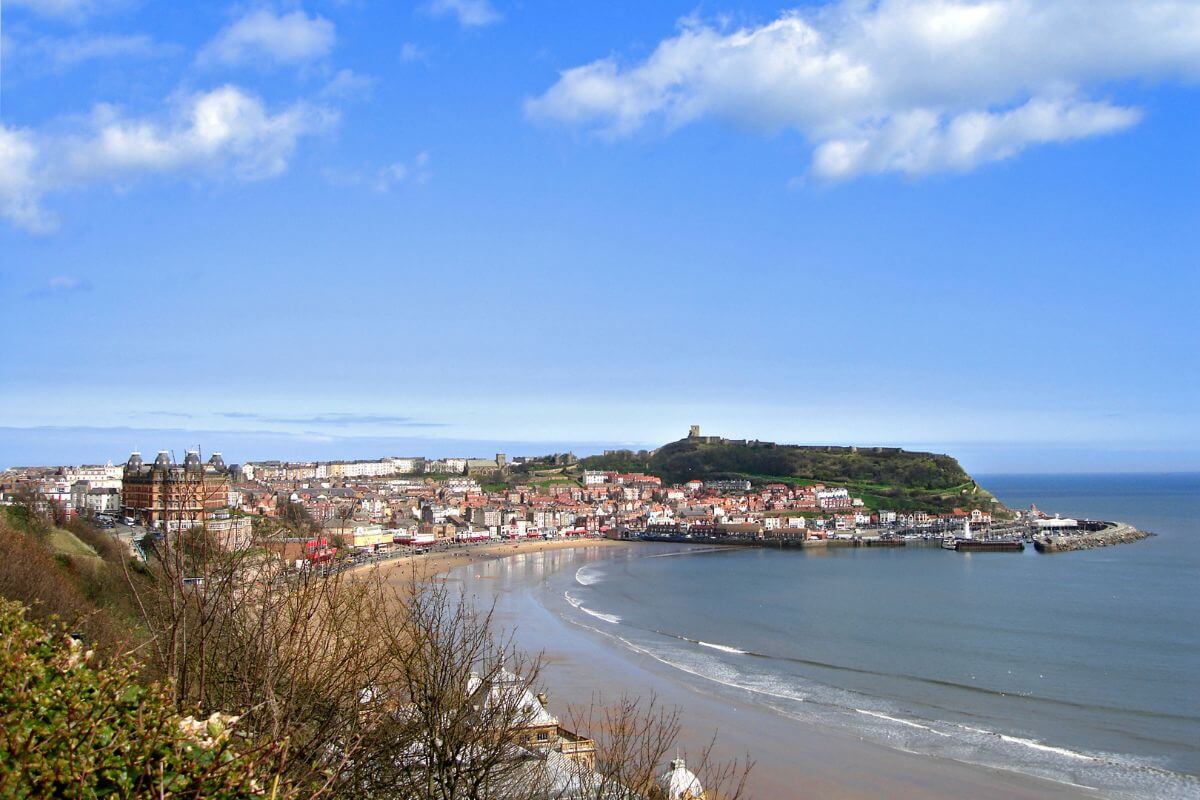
(72, 728)
(207, 673)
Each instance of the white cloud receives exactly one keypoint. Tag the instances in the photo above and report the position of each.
(263, 35)
(920, 142)
(470, 13)
(415, 171)
(68, 10)
(58, 54)
(62, 284)
(20, 189)
(913, 86)
(222, 128)
(410, 52)
(65, 283)
(348, 85)
(225, 131)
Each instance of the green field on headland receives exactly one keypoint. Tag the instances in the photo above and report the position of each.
(884, 477)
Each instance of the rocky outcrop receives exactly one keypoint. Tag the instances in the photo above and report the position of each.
(1114, 533)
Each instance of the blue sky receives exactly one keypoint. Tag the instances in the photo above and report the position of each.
(353, 229)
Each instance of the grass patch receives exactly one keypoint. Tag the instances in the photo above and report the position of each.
(67, 543)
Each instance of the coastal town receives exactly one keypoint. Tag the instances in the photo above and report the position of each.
(318, 511)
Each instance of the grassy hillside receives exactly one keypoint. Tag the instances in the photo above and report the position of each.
(890, 478)
(73, 575)
(63, 541)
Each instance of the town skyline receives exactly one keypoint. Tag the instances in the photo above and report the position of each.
(308, 450)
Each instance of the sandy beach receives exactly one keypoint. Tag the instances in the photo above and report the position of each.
(401, 572)
(793, 759)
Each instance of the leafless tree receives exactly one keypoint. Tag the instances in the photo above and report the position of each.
(295, 652)
(463, 709)
(378, 693)
(635, 738)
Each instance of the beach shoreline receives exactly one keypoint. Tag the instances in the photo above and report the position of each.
(823, 761)
(425, 567)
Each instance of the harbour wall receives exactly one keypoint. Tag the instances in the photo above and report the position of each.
(1113, 533)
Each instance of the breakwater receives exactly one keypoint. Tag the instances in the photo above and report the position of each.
(1112, 533)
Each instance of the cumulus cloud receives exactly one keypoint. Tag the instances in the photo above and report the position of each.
(20, 188)
(262, 36)
(225, 127)
(911, 86)
(223, 131)
(920, 142)
(470, 13)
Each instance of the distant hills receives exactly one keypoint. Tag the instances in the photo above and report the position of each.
(885, 477)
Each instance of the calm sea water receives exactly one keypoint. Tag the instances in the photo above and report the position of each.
(1079, 667)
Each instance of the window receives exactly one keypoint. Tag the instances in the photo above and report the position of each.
(543, 737)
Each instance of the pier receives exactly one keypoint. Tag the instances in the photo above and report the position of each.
(1092, 535)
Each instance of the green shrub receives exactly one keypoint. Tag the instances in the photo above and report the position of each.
(74, 730)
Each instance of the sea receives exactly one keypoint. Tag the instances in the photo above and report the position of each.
(1081, 668)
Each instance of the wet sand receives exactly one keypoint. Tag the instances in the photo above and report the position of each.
(402, 572)
(792, 758)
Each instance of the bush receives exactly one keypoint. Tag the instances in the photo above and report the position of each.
(71, 729)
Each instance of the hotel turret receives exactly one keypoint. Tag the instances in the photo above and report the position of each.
(165, 494)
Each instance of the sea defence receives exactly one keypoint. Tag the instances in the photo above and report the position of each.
(1112, 533)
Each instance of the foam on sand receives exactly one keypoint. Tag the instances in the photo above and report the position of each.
(588, 575)
(576, 603)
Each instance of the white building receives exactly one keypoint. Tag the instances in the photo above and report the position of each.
(834, 498)
(104, 476)
(594, 477)
(104, 501)
(403, 466)
(360, 469)
(462, 485)
(1057, 523)
(680, 783)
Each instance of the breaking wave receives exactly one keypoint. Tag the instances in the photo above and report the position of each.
(588, 575)
(814, 701)
(1033, 744)
(576, 603)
